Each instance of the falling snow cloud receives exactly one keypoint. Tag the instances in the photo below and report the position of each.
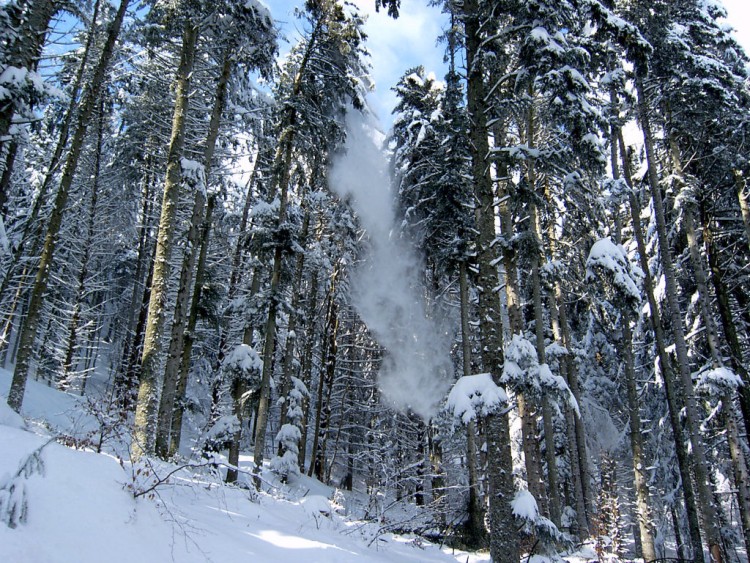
(387, 289)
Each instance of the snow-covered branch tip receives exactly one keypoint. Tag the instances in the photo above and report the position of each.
(475, 396)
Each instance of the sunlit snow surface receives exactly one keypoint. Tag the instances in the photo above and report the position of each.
(80, 508)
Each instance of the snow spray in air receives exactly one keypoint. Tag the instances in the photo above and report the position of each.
(386, 288)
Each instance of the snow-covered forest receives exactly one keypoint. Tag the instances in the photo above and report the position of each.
(514, 326)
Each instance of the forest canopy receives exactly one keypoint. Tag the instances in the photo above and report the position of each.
(523, 311)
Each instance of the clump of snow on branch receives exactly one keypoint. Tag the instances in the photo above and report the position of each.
(288, 462)
(717, 381)
(609, 261)
(289, 434)
(220, 431)
(524, 373)
(474, 396)
(520, 364)
(193, 173)
(14, 79)
(526, 510)
(244, 363)
(524, 506)
(245, 358)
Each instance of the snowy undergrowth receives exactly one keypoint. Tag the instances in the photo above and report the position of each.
(74, 505)
(60, 504)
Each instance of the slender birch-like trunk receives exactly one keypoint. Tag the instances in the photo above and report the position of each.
(88, 106)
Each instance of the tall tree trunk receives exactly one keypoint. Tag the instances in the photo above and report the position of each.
(579, 498)
(727, 320)
(187, 350)
(328, 377)
(645, 537)
(642, 495)
(10, 161)
(555, 510)
(239, 391)
(475, 530)
(123, 384)
(291, 329)
(33, 226)
(306, 367)
(68, 362)
(128, 395)
(503, 540)
(192, 247)
(280, 183)
(741, 186)
(584, 497)
(739, 465)
(28, 21)
(328, 337)
(88, 106)
(671, 386)
(146, 406)
(553, 495)
(707, 508)
(526, 406)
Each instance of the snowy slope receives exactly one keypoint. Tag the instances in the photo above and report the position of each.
(79, 506)
(64, 505)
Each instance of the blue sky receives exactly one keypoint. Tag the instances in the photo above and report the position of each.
(395, 45)
(410, 40)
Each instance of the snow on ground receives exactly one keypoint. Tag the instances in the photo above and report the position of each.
(59, 504)
(79, 506)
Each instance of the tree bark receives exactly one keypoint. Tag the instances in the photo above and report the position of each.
(291, 337)
(280, 183)
(741, 186)
(239, 391)
(642, 494)
(182, 308)
(526, 406)
(328, 338)
(28, 21)
(146, 407)
(739, 465)
(503, 540)
(187, 350)
(68, 362)
(306, 367)
(475, 530)
(33, 226)
(671, 386)
(727, 321)
(555, 510)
